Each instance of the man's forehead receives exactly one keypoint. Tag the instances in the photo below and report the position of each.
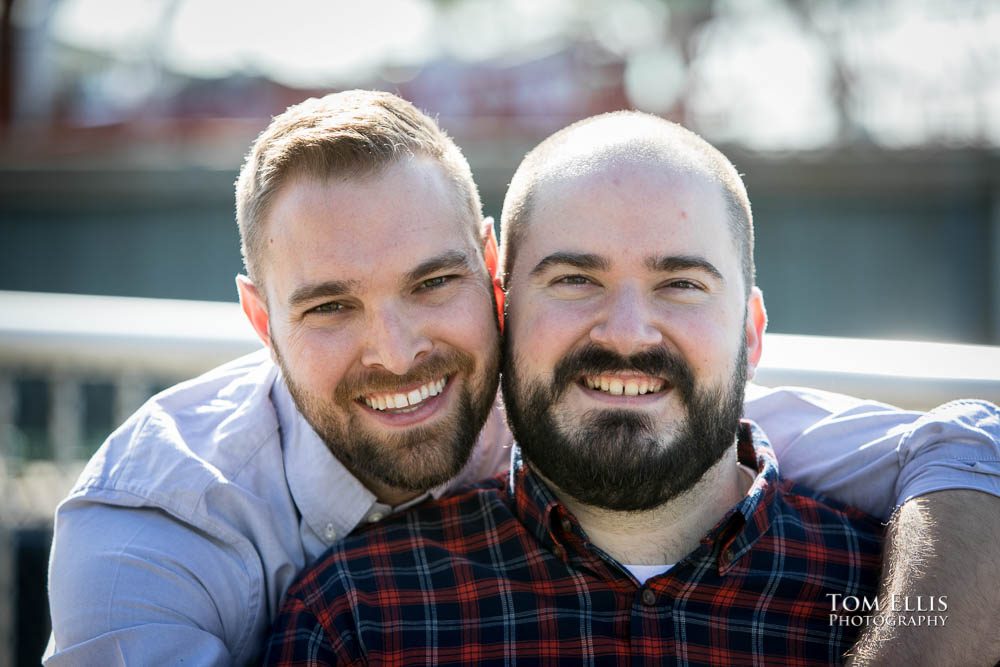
(351, 228)
(673, 211)
(635, 186)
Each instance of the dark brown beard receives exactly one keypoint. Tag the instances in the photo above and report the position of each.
(614, 459)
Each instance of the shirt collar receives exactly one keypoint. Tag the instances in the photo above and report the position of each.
(332, 500)
(534, 503)
(555, 528)
(751, 518)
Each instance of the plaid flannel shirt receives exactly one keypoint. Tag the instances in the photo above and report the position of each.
(502, 574)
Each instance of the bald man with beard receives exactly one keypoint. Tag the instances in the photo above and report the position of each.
(641, 521)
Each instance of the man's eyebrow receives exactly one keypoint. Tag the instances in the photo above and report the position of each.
(327, 289)
(451, 260)
(580, 260)
(670, 263)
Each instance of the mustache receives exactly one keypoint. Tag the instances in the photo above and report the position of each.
(595, 360)
(377, 380)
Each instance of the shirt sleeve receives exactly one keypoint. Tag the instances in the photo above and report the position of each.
(136, 586)
(875, 456)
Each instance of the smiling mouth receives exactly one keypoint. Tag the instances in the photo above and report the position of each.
(625, 385)
(404, 401)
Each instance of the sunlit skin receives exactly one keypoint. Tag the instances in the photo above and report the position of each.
(631, 256)
(668, 275)
(369, 282)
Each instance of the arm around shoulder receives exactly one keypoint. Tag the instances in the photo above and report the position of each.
(942, 469)
(942, 545)
(875, 456)
(940, 563)
(137, 586)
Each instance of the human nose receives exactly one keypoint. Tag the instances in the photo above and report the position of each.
(395, 341)
(626, 325)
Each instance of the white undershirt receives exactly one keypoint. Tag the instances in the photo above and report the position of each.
(644, 572)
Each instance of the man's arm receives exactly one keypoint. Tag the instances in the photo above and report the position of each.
(136, 586)
(941, 547)
(875, 456)
(943, 469)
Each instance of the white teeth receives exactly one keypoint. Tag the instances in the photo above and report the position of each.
(409, 399)
(618, 387)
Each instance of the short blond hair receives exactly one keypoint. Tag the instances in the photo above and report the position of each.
(346, 135)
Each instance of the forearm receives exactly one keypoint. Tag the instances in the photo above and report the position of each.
(942, 547)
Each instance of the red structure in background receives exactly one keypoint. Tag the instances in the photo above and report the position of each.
(494, 101)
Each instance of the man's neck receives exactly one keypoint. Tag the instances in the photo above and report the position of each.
(668, 533)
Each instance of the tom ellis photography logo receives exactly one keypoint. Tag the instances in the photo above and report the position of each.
(917, 610)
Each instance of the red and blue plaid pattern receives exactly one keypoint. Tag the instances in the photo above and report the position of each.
(502, 574)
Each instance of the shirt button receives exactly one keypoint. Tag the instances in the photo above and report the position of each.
(559, 552)
(330, 532)
(648, 598)
(727, 556)
(375, 517)
(567, 525)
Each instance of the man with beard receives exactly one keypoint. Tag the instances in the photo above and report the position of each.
(370, 280)
(641, 522)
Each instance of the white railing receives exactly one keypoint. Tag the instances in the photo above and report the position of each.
(129, 342)
(909, 374)
(69, 340)
(137, 343)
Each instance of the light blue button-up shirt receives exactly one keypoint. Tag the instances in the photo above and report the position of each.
(186, 528)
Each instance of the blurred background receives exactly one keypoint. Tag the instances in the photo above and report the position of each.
(868, 134)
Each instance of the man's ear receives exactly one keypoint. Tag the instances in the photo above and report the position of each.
(491, 254)
(254, 307)
(755, 325)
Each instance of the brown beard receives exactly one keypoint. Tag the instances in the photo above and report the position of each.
(419, 458)
(615, 459)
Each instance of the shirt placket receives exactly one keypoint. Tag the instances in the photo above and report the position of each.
(649, 607)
